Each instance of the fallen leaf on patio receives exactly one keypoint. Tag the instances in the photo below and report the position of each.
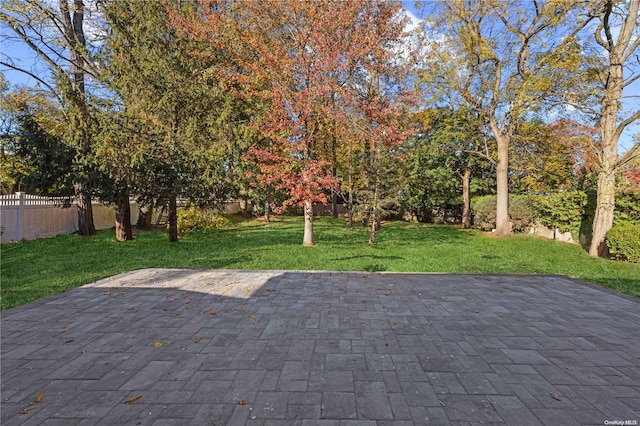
(387, 293)
(66, 330)
(246, 311)
(189, 307)
(242, 402)
(26, 410)
(252, 317)
(158, 344)
(107, 293)
(363, 324)
(329, 312)
(271, 290)
(213, 314)
(554, 397)
(318, 305)
(393, 323)
(69, 341)
(442, 403)
(230, 311)
(206, 311)
(39, 398)
(132, 399)
(197, 340)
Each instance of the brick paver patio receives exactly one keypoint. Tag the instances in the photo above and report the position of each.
(175, 347)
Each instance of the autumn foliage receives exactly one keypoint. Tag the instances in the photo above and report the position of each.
(310, 66)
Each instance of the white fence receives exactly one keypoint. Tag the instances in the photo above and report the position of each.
(28, 217)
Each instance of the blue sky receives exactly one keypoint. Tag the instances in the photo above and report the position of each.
(26, 58)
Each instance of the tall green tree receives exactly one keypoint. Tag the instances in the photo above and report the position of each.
(618, 34)
(449, 159)
(55, 32)
(299, 59)
(542, 157)
(170, 98)
(503, 58)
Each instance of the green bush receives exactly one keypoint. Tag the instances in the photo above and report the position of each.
(520, 212)
(627, 207)
(195, 219)
(484, 212)
(563, 210)
(623, 240)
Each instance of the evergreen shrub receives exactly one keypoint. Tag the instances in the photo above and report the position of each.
(623, 240)
(520, 212)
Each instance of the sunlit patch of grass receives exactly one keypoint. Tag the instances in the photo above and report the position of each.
(34, 269)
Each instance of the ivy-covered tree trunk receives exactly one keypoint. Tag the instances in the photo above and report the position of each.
(307, 239)
(172, 219)
(466, 197)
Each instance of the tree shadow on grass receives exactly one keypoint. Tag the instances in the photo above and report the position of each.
(371, 256)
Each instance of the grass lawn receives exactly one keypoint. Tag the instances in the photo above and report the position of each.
(34, 269)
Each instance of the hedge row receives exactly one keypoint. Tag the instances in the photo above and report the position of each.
(569, 211)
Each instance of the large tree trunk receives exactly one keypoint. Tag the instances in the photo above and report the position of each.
(603, 219)
(466, 197)
(307, 239)
(172, 220)
(503, 227)
(620, 48)
(123, 216)
(86, 226)
(75, 39)
(605, 204)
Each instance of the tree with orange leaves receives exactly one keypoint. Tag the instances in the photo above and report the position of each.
(308, 64)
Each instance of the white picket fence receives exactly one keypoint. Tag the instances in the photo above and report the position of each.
(28, 217)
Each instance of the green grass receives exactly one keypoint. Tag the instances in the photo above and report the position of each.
(34, 269)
